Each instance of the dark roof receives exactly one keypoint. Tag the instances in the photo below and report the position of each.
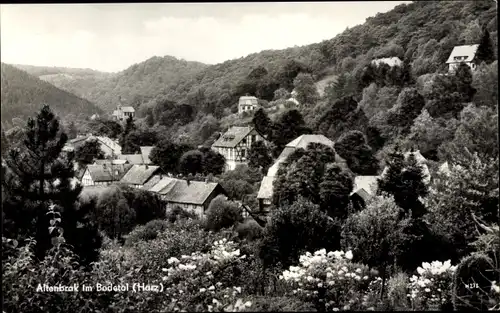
(153, 181)
(233, 136)
(139, 174)
(108, 172)
(180, 191)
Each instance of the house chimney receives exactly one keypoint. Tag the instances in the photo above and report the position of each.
(188, 181)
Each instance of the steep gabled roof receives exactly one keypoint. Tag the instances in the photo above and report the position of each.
(108, 173)
(233, 136)
(194, 192)
(139, 174)
(161, 184)
(146, 152)
(468, 51)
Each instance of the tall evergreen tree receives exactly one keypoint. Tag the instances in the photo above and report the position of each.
(39, 175)
(352, 146)
(485, 51)
(262, 123)
(259, 156)
(129, 128)
(404, 180)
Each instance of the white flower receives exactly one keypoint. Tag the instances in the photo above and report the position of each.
(164, 270)
(427, 290)
(348, 255)
(320, 285)
(203, 289)
(209, 273)
(248, 304)
(238, 289)
(365, 277)
(420, 270)
(358, 270)
(211, 287)
(320, 252)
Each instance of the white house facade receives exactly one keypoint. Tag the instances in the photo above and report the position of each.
(235, 144)
(462, 54)
(247, 103)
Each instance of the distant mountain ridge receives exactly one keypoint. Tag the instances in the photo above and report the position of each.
(23, 95)
(128, 87)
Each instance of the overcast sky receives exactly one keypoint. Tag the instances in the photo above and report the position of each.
(111, 37)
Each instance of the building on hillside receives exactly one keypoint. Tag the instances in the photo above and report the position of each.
(122, 113)
(365, 187)
(265, 194)
(421, 160)
(193, 196)
(462, 54)
(104, 174)
(247, 103)
(394, 61)
(235, 144)
(138, 175)
(145, 152)
(131, 158)
(108, 146)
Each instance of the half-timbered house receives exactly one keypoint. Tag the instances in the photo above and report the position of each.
(235, 144)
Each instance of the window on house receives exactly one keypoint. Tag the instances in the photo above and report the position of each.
(254, 138)
(243, 153)
(244, 141)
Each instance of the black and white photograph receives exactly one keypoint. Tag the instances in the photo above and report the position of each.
(250, 156)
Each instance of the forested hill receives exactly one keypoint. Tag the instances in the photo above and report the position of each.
(132, 86)
(23, 94)
(423, 33)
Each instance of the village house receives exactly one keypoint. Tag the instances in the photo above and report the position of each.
(365, 187)
(192, 196)
(104, 173)
(265, 194)
(235, 144)
(108, 146)
(138, 158)
(247, 103)
(394, 61)
(139, 174)
(131, 158)
(123, 113)
(462, 54)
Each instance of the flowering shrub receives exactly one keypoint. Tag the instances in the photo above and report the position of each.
(202, 281)
(329, 280)
(432, 287)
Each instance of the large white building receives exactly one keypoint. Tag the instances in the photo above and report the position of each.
(235, 144)
(462, 54)
(247, 104)
(265, 194)
(108, 146)
(123, 113)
